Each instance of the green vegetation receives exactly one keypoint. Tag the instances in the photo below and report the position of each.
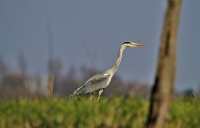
(89, 113)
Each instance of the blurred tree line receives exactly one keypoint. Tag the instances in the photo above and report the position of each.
(16, 84)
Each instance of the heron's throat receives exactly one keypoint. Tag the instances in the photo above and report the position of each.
(119, 58)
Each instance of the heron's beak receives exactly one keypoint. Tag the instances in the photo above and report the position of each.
(138, 46)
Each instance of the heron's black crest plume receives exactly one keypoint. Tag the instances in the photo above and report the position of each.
(126, 42)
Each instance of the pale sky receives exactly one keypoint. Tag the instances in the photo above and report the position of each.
(89, 33)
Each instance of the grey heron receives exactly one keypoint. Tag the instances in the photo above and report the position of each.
(102, 80)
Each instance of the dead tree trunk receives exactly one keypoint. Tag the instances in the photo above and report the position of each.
(51, 75)
(162, 90)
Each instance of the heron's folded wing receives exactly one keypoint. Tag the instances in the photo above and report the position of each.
(95, 83)
(92, 84)
(98, 79)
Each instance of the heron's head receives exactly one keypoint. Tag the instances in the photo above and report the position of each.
(132, 44)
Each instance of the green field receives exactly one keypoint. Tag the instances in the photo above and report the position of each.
(89, 113)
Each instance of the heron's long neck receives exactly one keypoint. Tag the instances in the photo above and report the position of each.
(119, 58)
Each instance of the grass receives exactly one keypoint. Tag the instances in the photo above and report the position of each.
(89, 113)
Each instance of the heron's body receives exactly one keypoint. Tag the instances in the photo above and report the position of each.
(102, 80)
(96, 82)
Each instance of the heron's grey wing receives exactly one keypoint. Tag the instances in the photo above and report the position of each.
(94, 83)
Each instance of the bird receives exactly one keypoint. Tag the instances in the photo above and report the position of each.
(102, 80)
